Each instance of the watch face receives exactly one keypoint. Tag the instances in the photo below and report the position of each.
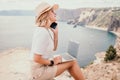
(51, 63)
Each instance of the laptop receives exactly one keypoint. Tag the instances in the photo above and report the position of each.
(72, 52)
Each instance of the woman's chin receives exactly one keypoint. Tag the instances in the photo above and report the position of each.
(54, 21)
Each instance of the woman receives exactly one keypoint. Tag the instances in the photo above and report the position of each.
(45, 41)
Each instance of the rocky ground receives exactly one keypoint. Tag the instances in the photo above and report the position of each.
(14, 65)
(101, 70)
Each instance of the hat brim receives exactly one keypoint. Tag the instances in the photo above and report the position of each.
(54, 7)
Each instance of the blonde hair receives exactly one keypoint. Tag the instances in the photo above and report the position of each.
(43, 19)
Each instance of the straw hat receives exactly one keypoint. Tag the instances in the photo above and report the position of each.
(44, 7)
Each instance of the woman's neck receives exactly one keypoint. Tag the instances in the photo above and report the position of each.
(48, 24)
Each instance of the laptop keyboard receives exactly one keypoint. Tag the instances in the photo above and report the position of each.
(67, 57)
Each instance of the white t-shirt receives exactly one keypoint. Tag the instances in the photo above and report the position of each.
(42, 43)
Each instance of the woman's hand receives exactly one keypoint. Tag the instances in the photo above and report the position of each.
(55, 31)
(57, 60)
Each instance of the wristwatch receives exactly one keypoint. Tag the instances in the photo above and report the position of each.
(51, 63)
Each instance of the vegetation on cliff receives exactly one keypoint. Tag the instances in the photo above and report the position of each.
(110, 53)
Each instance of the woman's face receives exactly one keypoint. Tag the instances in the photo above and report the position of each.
(52, 16)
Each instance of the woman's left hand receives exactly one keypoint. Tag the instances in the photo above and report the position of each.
(55, 31)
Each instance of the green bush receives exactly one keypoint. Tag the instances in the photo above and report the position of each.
(110, 53)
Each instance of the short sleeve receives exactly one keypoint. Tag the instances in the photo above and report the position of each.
(39, 43)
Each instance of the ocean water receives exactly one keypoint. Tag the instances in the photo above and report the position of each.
(17, 31)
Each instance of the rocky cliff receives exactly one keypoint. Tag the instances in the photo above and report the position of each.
(14, 65)
(117, 45)
(100, 17)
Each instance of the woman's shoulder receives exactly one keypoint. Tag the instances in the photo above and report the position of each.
(40, 31)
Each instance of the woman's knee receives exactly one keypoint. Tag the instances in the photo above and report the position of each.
(74, 62)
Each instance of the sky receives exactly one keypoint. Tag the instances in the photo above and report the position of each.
(67, 4)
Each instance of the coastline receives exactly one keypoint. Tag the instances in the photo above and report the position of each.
(103, 29)
(94, 27)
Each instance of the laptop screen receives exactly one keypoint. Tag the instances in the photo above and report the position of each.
(73, 48)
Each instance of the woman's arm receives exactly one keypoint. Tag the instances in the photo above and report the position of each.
(55, 32)
(55, 41)
(38, 59)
